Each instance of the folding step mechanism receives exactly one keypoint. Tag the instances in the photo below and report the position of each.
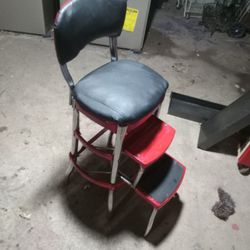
(159, 176)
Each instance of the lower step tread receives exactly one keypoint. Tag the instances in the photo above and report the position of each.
(161, 182)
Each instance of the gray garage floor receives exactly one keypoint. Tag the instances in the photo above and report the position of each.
(39, 211)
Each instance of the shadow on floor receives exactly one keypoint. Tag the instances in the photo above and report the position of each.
(229, 146)
(88, 204)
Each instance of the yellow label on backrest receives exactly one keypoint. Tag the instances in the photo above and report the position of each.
(130, 19)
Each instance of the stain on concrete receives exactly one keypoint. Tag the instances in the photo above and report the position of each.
(20, 169)
(180, 67)
(225, 207)
(14, 176)
(159, 44)
(3, 114)
(197, 246)
(182, 27)
(26, 131)
(26, 142)
(24, 213)
(2, 92)
(27, 117)
(2, 129)
(4, 209)
(235, 227)
(243, 84)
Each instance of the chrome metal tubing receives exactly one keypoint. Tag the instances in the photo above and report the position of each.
(93, 139)
(75, 126)
(113, 48)
(74, 147)
(121, 131)
(157, 112)
(68, 78)
(126, 180)
(151, 221)
(138, 177)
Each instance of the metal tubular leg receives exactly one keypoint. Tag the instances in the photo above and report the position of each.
(157, 112)
(113, 48)
(74, 147)
(138, 177)
(121, 131)
(151, 221)
(109, 143)
(70, 97)
(75, 126)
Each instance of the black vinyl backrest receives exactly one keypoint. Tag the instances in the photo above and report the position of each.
(82, 21)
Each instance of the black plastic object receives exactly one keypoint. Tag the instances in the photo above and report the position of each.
(237, 30)
(191, 108)
(229, 121)
(82, 21)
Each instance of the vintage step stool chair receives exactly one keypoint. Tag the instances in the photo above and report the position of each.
(123, 97)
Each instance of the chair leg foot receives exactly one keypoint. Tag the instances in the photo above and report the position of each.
(111, 200)
(150, 222)
(69, 172)
(69, 168)
(74, 147)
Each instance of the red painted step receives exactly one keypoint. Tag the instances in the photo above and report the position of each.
(148, 142)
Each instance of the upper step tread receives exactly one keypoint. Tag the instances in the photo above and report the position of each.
(148, 142)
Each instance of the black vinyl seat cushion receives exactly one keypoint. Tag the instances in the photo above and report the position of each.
(122, 91)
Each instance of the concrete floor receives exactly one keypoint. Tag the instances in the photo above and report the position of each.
(39, 211)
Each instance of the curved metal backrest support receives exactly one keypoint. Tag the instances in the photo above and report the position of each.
(113, 48)
(82, 21)
(114, 57)
(67, 76)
